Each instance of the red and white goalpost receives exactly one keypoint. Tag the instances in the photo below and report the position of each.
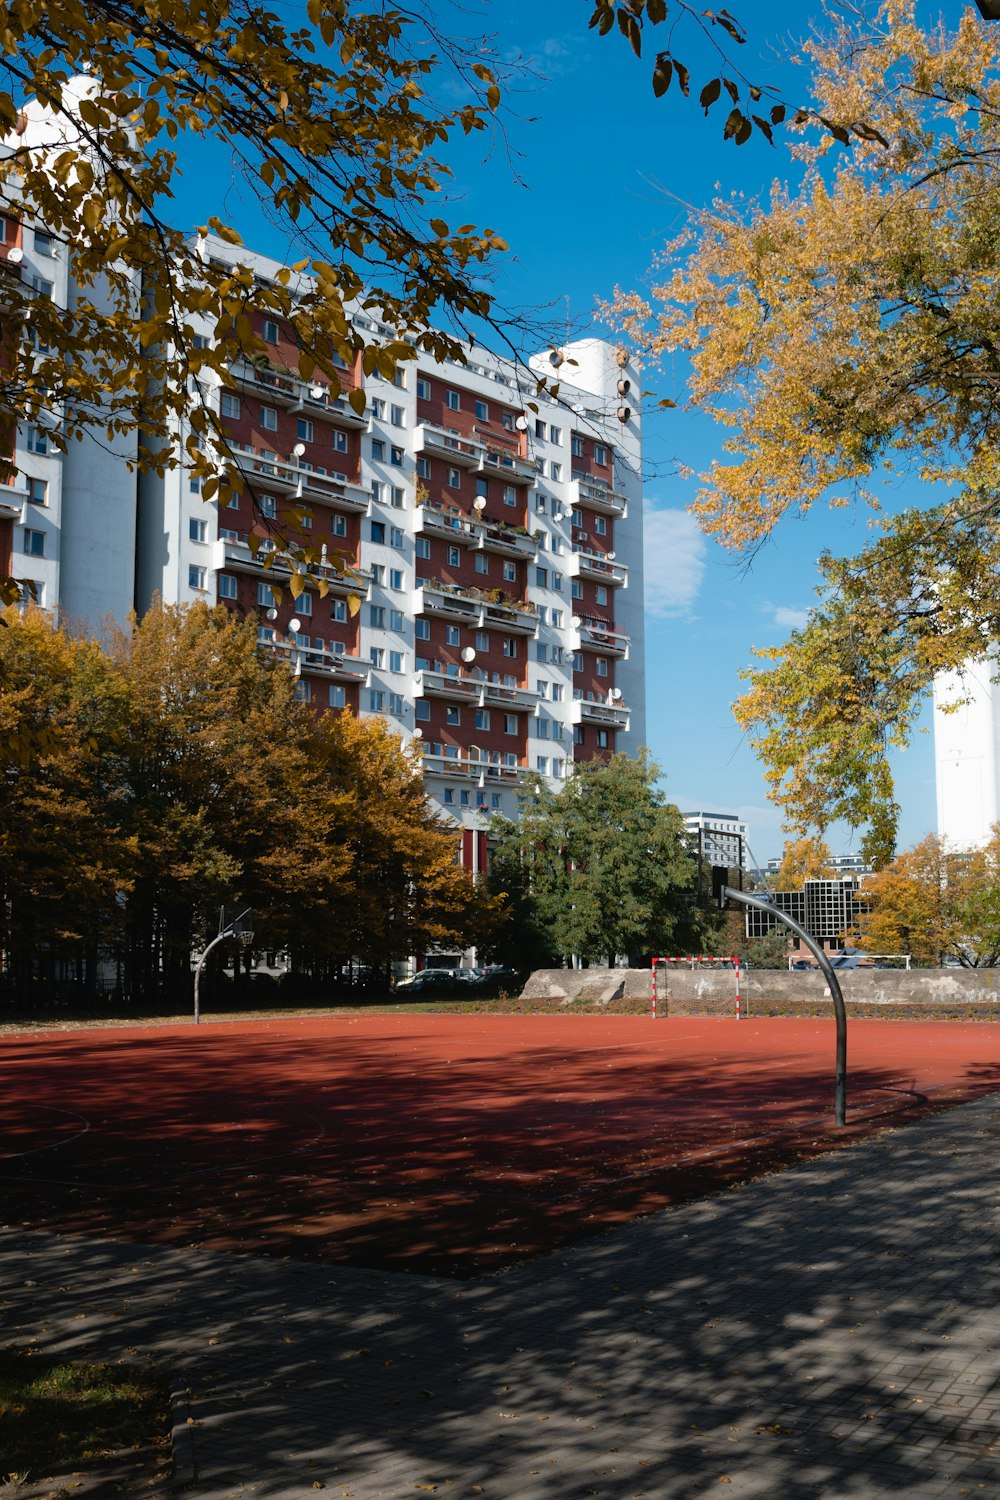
(660, 970)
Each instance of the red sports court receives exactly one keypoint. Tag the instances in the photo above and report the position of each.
(441, 1143)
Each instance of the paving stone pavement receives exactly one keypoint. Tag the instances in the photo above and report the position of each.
(830, 1331)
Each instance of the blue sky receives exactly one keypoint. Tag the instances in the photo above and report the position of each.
(599, 178)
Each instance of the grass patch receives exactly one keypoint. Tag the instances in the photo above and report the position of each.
(60, 1416)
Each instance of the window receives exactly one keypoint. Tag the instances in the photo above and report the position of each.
(340, 444)
(423, 389)
(377, 531)
(338, 525)
(377, 657)
(576, 589)
(494, 800)
(338, 611)
(482, 563)
(601, 666)
(510, 724)
(338, 698)
(482, 488)
(37, 440)
(452, 635)
(399, 379)
(510, 572)
(423, 468)
(376, 701)
(43, 243)
(395, 578)
(482, 411)
(196, 576)
(304, 430)
(576, 446)
(453, 401)
(376, 616)
(454, 479)
(510, 646)
(304, 603)
(378, 408)
(42, 287)
(397, 497)
(557, 692)
(509, 494)
(422, 548)
(227, 586)
(541, 651)
(482, 718)
(601, 525)
(378, 451)
(377, 488)
(395, 619)
(557, 581)
(306, 520)
(34, 545)
(541, 578)
(422, 629)
(556, 544)
(542, 688)
(555, 471)
(452, 714)
(482, 640)
(577, 661)
(38, 491)
(397, 706)
(268, 418)
(539, 429)
(268, 506)
(555, 434)
(194, 486)
(229, 405)
(602, 739)
(395, 536)
(543, 615)
(395, 661)
(454, 557)
(449, 795)
(601, 594)
(422, 710)
(577, 517)
(396, 457)
(464, 798)
(271, 333)
(600, 454)
(577, 734)
(303, 691)
(543, 729)
(540, 505)
(397, 416)
(378, 573)
(557, 618)
(197, 530)
(542, 764)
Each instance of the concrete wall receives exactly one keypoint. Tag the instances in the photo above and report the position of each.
(707, 992)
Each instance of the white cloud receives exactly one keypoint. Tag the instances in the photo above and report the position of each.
(673, 561)
(787, 618)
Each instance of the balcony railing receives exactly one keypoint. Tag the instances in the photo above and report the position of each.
(433, 519)
(517, 700)
(447, 601)
(321, 662)
(238, 557)
(514, 619)
(306, 484)
(288, 390)
(12, 502)
(610, 715)
(510, 466)
(464, 451)
(444, 685)
(597, 566)
(592, 493)
(506, 541)
(595, 635)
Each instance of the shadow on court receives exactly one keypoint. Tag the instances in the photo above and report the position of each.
(444, 1145)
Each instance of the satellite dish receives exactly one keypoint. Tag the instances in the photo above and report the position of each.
(299, 449)
(624, 386)
(576, 622)
(418, 734)
(15, 256)
(294, 626)
(521, 424)
(610, 556)
(468, 655)
(558, 515)
(623, 414)
(272, 613)
(615, 695)
(317, 392)
(479, 503)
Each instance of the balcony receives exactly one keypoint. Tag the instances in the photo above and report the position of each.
(321, 662)
(607, 715)
(297, 395)
(596, 635)
(596, 565)
(303, 483)
(446, 601)
(517, 700)
(453, 768)
(12, 502)
(341, 582)
(585, 491)
(509, 466)
(448, 522)
(513, 619)
(506, 541)
(466, 452)
(443, 685)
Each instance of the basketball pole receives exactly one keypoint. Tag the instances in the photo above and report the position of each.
(726, 893)
(242, 928)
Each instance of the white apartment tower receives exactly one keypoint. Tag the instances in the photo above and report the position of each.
(967, 754)
(496, 548)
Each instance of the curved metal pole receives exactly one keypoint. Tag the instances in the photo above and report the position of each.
(839, 1009)
(200, 965)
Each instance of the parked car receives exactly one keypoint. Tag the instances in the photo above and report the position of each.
(425, 980)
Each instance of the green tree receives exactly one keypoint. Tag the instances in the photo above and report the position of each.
(604, 863)
(845, 334)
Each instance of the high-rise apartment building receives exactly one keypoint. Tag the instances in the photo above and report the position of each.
(967, 754)
(492, 534)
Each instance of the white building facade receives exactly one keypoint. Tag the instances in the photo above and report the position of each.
(967, 754)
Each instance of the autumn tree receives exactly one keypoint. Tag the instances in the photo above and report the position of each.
(801, 860)
(936, 902)
(844, 334)
(603, 866)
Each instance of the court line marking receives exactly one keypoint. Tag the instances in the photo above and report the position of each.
(70, 1114)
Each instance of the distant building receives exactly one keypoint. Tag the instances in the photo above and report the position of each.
(718, 850)
(844, 864)
(829, 910)
(966, 760)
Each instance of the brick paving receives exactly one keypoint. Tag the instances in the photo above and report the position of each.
(831, 1332)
